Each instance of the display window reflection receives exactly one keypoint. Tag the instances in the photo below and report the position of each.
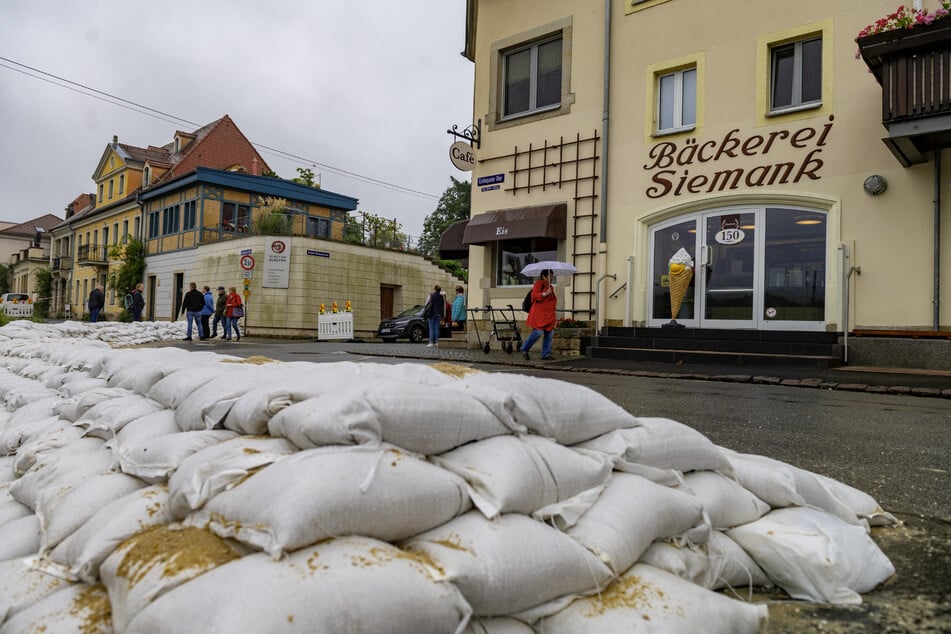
(514, 255)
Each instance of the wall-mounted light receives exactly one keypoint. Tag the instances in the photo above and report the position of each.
(874, 185)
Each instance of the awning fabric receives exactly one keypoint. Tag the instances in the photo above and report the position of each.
(547, 221)
(450, 242)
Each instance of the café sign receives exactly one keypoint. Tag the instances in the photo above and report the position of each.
(462, 156)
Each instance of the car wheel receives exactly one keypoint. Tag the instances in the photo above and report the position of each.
(417, 333)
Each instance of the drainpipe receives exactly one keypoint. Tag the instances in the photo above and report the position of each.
(605, 122)
(937, 240)
(627, 291)
(597, 305)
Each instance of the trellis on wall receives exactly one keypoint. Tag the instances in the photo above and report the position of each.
(568, 164)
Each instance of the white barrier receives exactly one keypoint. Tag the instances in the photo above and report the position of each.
(335, 326)
(17, 309)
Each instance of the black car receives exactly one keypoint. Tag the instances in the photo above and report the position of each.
(409, 324)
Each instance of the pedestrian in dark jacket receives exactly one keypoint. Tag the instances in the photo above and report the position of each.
(219, 312)
(434, 312)
(207, 310)
(96, 301)
(192, 305)
(138, 302)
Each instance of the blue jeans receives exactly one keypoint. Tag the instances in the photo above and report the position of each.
(193, 316)
(94, 314)
(231, 322)
(434, 328)
(546, 341)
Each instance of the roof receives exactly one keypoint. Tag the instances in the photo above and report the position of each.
(264, 185)
(28, 228)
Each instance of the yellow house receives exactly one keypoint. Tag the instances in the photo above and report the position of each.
(616, 134)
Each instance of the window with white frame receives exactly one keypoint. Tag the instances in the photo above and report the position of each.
(532, 78)
(677, 100)
(121, 183)
(796, 75)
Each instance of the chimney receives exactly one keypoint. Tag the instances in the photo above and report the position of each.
(115, 139)
(254, 166)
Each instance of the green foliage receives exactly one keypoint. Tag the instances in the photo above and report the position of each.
(453, 206)
(44, 292)
(273, 221)
(306, 177)
(270, 174)
(130, 273)
(4, 278)
(125, 316)
(375, 231)
(455, 267)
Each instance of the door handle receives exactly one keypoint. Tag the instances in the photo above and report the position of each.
(704, 256)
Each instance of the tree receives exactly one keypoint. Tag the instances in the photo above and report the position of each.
(453, 206)
(44, 291)
(375, 231)
(4, 278)
(130, 273)
(306, 177)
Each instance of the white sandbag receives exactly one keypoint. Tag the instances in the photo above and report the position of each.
(160, 423)
(350, 584)
(661, 449)
(14, 435)
(6, 468)
(860, 503)
(206, 408)
(252, 411)
(520, 474)
(631, 513)
(770, 480)
(10, 508)
(78, 608)
(76, 405)
(418, 418)
(155, 561)
(54, 437)
(562, 411)
(21, 586)
(813, 555)
(817, 494)
(60, 469)
(320, 493)
(63, 511)
(720, 563)
(208, 472)
(646, 600)
(154, 459)
(105, 419)
(78, 387)
(727, 503)
(80, 555)
(509, 564)
(20, 537)
(500, 625)
(37, 410)
(177, 386)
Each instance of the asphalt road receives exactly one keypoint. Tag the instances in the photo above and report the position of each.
(895, 447)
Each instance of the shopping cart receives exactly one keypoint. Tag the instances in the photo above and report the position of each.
(504, 327)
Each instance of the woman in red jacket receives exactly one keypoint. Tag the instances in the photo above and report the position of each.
(541, 318)
(234, 310)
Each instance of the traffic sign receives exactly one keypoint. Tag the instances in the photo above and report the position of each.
(247, 280)
(247, 275)
(247, 262)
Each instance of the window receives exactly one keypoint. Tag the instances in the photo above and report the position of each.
(235, 217)
(153, 224)
(146, 176)
(121, 183)
(318, 227)
(137, 231)
(532, 78)
(189, 220)
(677, 100)
(101, 190)
(796, 74)
(514, 255)
(115, 234)
(170, 219)
(111, 182)
(105, 236)
(125, 230)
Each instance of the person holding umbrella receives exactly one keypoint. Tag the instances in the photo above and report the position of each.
(541, 317)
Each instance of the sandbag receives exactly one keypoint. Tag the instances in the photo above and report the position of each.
(104, 419)
(155, 459)
(860, 503)
(54, 437)
(20, 537)
(155, 561)
(770, 480)
(14, 435)
(352, 584)
(6, 468)
(646, 600)
(319, 493)
(61, 470)
(521, 474)
(510, 564)
(561, 411)
(76, 405)
(727, 503)
(21, 586)
(79, 556)
(160, 423)
(78, 608)
(813, 555)
(661, 449)
(208, 472)
(10, 508)
(499, 625)
(173, 389)
(207, 408)
(627, 517)
(720, 563)
(415, 417)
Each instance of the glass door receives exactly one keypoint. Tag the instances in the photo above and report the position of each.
(667, 240)
(729, 269)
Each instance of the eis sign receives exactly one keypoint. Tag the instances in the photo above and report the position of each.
(674, 166)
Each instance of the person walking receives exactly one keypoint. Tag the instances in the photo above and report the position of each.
(207, 311)
(234, 311)
(459, 309)
(97, 299)
(138, 302)
(192, 305)
(541, 317)
(434, 312)
(219, 312)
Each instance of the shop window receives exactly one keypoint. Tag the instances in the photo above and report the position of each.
(796, 74)
(514, 255)
(532, 78)
(795, 265)
(677, 100)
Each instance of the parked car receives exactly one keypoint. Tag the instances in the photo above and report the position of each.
(409, 324)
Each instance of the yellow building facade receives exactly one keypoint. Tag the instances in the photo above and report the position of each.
(749, 136)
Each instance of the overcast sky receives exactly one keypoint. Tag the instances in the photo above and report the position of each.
(365, 87)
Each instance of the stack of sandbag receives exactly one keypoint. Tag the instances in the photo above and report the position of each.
(137, 486)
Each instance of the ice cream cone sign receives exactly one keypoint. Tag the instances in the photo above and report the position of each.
(680, 272)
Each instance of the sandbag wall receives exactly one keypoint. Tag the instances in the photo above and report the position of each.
(161, 490)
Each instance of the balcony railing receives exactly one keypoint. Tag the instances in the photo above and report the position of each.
(92, 254)
(62, 263)
(913, 67)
